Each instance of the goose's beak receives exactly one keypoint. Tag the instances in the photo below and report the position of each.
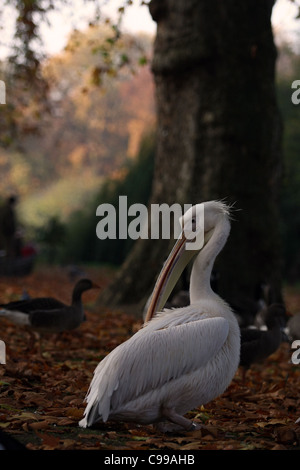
(169, 275)
(95, 286)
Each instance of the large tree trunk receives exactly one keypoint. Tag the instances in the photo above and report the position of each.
(218, 136)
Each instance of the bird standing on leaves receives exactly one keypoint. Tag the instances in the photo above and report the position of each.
(47, 314)
(181, 358)
(256, 344)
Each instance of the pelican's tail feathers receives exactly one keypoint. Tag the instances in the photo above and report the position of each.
(98, 397)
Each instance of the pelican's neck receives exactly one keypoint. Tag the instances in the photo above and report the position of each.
(201, 272)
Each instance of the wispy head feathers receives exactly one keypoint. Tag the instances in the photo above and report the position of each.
(227, 209)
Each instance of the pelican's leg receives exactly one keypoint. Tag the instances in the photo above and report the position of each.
(179, 421)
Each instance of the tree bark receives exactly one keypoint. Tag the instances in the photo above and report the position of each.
(218, 136)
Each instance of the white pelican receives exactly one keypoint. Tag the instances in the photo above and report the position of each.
(181, 358)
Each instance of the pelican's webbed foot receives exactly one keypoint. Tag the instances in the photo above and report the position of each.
(176, 422)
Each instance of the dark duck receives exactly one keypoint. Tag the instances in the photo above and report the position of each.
(47, 314)
(256, 344)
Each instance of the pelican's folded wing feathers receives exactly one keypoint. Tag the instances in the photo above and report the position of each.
(150, 359)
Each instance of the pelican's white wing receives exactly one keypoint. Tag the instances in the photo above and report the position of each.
(148, 360)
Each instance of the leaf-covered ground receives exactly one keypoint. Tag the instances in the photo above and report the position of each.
(41, 398)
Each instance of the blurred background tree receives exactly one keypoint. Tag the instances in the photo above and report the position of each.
(219, 136)
(79, 120)
(288, 69)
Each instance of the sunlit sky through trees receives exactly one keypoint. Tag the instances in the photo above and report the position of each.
(61, 22)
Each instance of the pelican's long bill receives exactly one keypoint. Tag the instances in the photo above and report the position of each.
(189, 243)
(169, 275)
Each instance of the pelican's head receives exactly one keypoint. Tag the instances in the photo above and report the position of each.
(197, 224)
(214, 212)
(199, 221)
